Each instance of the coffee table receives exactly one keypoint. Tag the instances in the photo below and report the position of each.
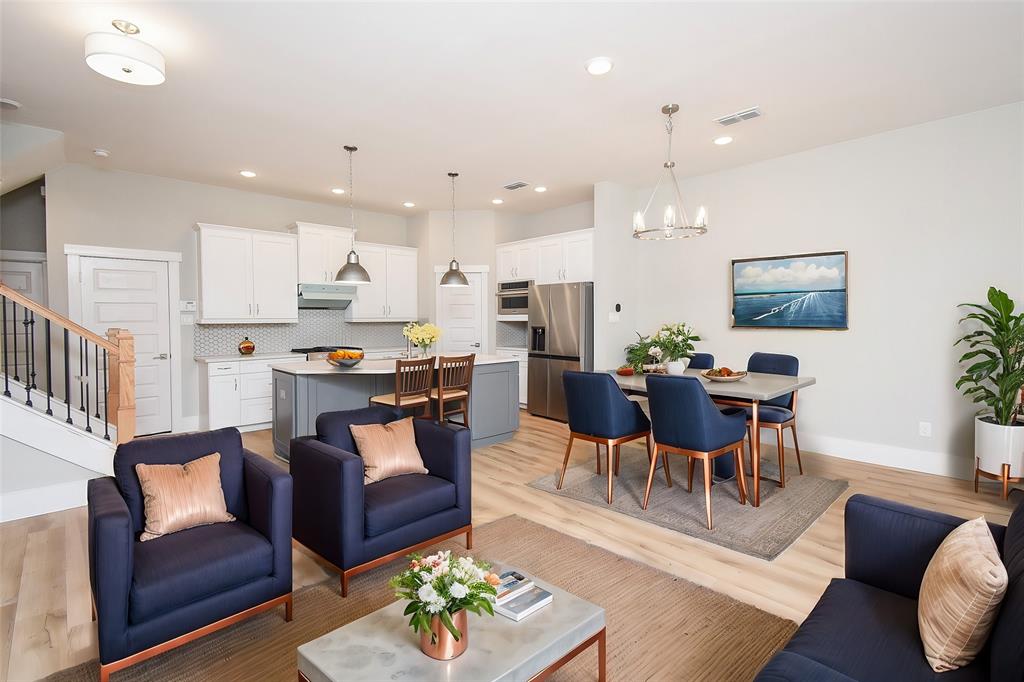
(382, 646)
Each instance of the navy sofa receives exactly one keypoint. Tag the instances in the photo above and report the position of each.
(356, 527)
(153, 596)
(864, 627)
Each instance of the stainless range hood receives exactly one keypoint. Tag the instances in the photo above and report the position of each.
(326, 296)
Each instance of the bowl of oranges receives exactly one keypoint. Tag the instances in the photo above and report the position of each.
(345, 357)
(723, 374)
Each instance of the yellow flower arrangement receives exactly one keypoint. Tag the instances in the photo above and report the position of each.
(422, 335)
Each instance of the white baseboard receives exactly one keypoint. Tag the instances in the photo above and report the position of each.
(188, 424)
(20, 504)
(925, 461)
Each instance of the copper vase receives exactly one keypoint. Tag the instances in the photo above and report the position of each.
(445, 648)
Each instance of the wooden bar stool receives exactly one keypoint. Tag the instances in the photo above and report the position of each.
(413, 381)
(454, 383)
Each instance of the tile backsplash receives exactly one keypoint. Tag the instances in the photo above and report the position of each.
(511, 335)
(314, 328)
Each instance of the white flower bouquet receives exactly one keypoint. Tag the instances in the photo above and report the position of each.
(440, 586)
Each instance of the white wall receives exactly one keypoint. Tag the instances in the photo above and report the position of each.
(515, 226)
(129, 210)
(931, 216)
(23, 218)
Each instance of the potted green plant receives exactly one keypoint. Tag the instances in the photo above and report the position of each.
(671, 345)
(995, 377)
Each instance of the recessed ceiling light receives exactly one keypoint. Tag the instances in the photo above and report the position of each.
(123, 57)
(247, 173)
(724, 139)
(101, 153)
(599, 66)
(408, 204)
(337, 190)
(497, 202)
(540, 189)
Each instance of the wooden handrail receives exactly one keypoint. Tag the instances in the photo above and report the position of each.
(57, 318)
(121, 391)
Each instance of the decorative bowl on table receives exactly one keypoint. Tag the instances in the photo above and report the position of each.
(345, 357)
(722, 374)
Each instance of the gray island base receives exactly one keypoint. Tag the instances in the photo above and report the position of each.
(382, 646)
(304, 390)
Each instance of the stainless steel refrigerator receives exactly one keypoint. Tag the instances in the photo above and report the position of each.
(561, 337)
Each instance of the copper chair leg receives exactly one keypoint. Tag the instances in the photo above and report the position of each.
(668, 473)
(782, 460)
(750, 438)
(565, 462)
(1006, 481)
(796, 448)
(741, 480)
(977, 465)
(650, 477)
(707, 488)
(617, 453)
(609, 449)
(689, 474)
(597, 446)
(649, 454)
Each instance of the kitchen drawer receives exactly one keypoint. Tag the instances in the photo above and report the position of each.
(216, 369)
(257, 410)
(258, 366)
(257, 385)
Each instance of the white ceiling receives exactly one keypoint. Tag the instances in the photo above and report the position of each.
(496, 91)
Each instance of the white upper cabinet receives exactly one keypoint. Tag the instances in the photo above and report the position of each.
(392, 294)
(567, 257)
(322, 251)
(246, 275)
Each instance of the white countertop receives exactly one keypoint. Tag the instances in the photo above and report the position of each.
(517, 349)
(254, 356)
(366, 366)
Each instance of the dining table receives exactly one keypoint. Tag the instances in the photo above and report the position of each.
(754, 388)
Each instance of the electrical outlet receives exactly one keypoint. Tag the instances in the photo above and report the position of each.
(924, 429)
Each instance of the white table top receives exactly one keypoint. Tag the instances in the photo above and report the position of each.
(366, 366)
(382, 646)
(754, 386)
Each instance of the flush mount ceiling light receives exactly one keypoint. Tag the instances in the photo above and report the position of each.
(8, 104)
(540, 189)
(668, 202)
(124, 58)
(247, 173)
(599, 66)
(408, 204)
(497, 202)
(352, 272)
(337, 190)
(454, 277)
(723, 140)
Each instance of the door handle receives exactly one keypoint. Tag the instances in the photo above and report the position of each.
(162, 356)
(257, 308)
(475, 345)
(250, 310)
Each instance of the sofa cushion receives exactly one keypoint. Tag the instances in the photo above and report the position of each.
(387, 449)
(400, 500)
(786, 666)
(180, 496)
(193, 564)
(180, 448)
(1005, 643)
(870, 634)
(333, 427)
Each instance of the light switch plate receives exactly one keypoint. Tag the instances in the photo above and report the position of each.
(187, 306)
(613, 316)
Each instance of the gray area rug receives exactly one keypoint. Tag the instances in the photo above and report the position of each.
(763, 532)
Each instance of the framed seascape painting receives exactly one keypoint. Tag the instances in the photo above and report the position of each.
(805, 291)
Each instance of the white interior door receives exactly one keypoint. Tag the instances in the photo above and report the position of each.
(461, 316)
(27, 279)
(132, 294)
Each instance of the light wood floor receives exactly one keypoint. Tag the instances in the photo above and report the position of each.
(45, 622)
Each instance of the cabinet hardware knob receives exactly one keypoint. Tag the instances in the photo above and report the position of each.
(162, 356)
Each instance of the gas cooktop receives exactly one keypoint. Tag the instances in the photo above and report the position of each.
(320, 352)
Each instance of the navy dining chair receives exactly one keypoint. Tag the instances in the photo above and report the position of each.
(702, 361)
(778, 413)
(600, 413)
(686, 422)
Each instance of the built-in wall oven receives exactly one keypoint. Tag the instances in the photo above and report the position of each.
(514, 297)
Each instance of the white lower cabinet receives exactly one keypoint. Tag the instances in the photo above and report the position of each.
(237, 393)
(523, 358)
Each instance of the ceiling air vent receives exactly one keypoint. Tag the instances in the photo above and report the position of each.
(518, 184)
(739, 116)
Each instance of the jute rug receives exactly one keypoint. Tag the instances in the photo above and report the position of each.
(763, 532)
(659, 627)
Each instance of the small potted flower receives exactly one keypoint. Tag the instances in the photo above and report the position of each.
(442, 589)
(676, 344)
(423, 336)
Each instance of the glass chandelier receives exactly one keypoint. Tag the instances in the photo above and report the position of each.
(454, 277)
(664, 216)
(352, 272)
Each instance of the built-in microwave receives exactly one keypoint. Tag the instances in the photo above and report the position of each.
(514, 297)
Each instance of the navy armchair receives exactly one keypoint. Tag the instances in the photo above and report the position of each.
(864, 627)
(357, 527)
(153, 596)
(599, 412)
(686, 422)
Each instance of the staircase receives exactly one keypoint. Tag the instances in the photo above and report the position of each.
(65, 406)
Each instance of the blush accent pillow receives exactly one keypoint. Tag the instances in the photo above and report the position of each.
(960, 595)
(181, 496)
(387, 450)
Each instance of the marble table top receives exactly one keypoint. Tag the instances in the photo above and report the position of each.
(367, 366)
(754, 386)
(382, 646)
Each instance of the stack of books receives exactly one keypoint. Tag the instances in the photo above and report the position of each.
(518, 597)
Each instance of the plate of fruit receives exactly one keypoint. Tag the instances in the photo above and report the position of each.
(723, 374)
(345, 357)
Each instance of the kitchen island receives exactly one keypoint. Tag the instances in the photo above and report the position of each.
(304, 390)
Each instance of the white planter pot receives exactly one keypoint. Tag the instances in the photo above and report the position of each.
(677, 367)
(995, 445)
